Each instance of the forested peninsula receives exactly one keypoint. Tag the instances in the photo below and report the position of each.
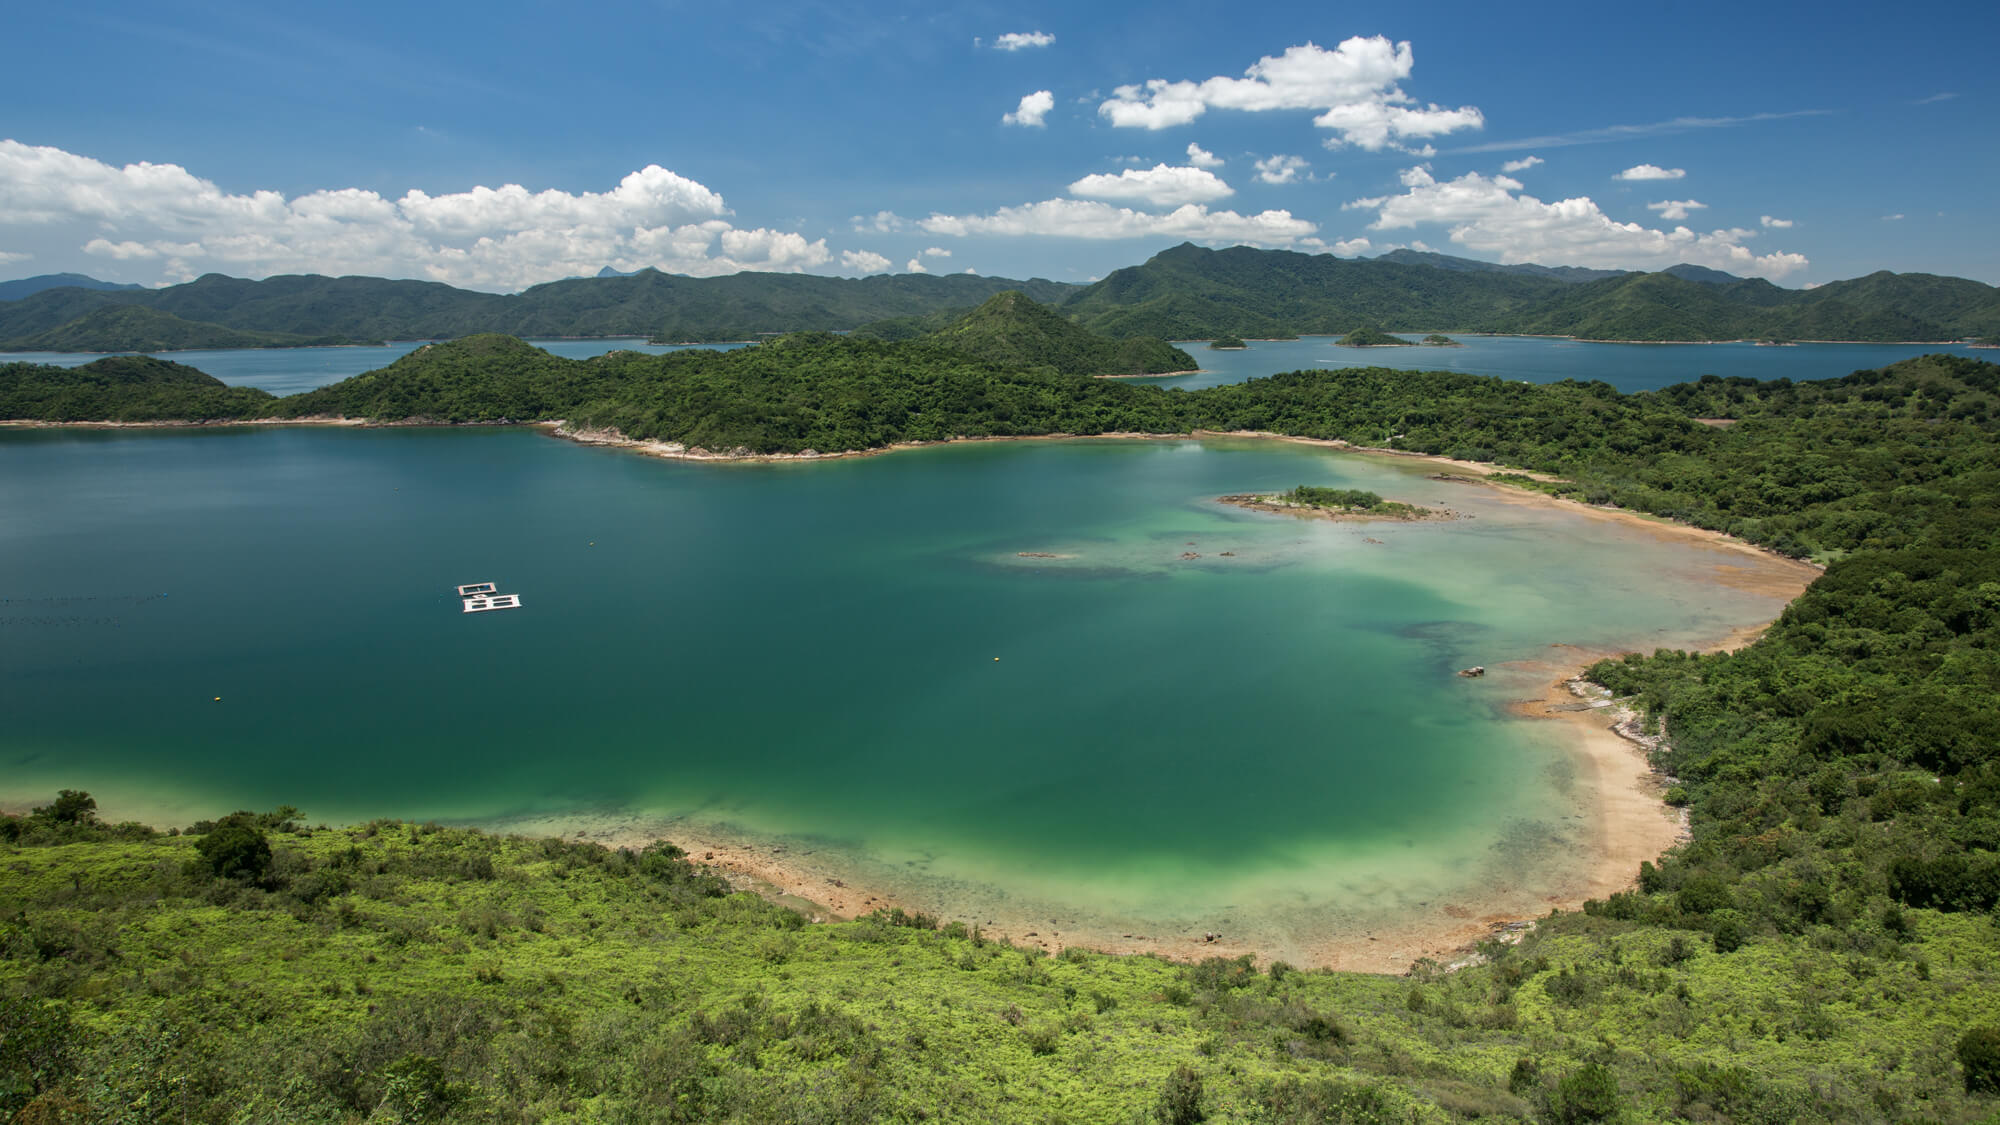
(1823, 948)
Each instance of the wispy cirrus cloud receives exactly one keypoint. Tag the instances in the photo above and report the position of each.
(1023, 40)
(1629, 132)
(1943, 96)
(1675, 210)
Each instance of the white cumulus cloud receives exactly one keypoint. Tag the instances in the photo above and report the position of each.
(1354, 88)
(1163, 185)
(1352, 247)
(1520, 165)
(1280, 169)
(1650, 172)
(914, 265)
(1032, 109)
(1779, 224)
(1020, 40)
(1201, 157)
(936, 252)
(1491, 216)
(1674, 210)
(179, 225)
(9, 257)
(1088, 219)
(867, 263)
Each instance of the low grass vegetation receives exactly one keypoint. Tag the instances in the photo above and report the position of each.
(403, 972)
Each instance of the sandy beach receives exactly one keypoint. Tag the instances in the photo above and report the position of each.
(1624, 820)
(1627, 821)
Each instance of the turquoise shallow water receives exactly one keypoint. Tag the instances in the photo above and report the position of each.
(1271, 736)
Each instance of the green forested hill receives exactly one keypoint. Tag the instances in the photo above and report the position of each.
(1013, 330)
(123, 388)
(137, 328)
(26, 286)
(1369, 336)
(647, 303)
(1192, 293)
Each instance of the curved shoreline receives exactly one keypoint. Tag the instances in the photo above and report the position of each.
(1628, 822)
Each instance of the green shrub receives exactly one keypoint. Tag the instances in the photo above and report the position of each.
(1588, 1093)
(235, 850)
(71, 806)
(1979, 1055)
(1180, 1100)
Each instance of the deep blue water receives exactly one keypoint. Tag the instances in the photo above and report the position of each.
(286, 371)
(1541, 359)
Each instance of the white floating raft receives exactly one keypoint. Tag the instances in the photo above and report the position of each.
(479, 597)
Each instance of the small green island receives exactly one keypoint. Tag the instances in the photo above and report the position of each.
(1440, 340)
(1316, 502)
(1227, 342)
(1369, 336)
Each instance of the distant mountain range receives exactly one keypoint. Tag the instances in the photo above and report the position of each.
(1192, 293)
(28, 286)
(215, 311)
(1185, 293)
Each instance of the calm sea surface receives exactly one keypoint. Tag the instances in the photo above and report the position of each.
(853, 655)
(286, 371)
(1629, 367)
(1538, 359)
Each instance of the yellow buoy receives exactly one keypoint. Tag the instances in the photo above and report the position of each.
(218, 699)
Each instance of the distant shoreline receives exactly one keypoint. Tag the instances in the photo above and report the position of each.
(650, 342)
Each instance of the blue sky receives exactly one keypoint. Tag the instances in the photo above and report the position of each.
(503, 144)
